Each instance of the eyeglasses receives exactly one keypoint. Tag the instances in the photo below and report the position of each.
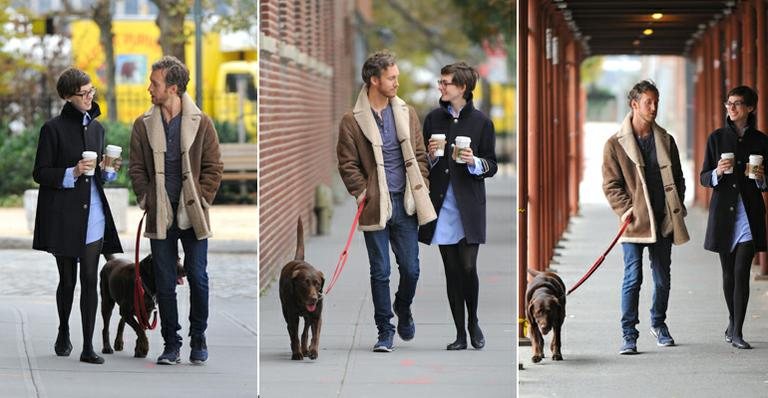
(89, 93)
(732, 104)
(443, 83)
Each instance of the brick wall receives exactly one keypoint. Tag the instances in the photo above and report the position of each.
(305, 86)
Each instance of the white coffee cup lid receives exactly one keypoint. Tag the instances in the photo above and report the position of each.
(89, 155)
(726, 155)
(462, 139)
(438, 136)
(114, 148)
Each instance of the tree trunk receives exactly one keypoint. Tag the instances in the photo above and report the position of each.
(170, 21)
(102, 15)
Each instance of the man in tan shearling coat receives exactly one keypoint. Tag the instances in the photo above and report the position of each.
(382, 161)
(175, 171)
(642, 179)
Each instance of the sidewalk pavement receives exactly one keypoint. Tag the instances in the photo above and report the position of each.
(701, 365)
(28, 322)
(234, 228)
(347, 368)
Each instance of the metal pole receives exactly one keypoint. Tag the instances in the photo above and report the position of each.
(198, 11)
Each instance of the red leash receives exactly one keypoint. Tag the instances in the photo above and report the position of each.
(345, 252)
(138, 288)
(602, 257)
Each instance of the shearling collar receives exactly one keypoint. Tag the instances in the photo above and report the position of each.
(190, 122)
(627, 140)
(364, 117)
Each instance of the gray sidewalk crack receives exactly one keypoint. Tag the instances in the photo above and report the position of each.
(26, 354)
(240, 323)
(352, 345)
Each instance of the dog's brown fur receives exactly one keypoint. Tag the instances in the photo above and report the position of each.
(545, 310)
(117, 287)
(301, 295)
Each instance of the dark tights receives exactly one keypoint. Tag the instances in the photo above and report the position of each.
(736, 266)
(460, 262)
(89, 266)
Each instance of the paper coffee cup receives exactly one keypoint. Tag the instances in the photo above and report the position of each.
(111, 153)
(461, 142)
(754, 162)
(90, 155)
(727, 155)
(440, 138)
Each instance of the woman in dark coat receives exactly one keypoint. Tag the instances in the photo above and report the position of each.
(458, 194)
(73, 220)
(736, 225)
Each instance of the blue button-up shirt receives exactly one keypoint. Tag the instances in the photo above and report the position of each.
(96, 220)
(449, 229)
(394, 168)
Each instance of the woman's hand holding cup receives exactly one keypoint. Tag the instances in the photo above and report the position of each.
(725, 164)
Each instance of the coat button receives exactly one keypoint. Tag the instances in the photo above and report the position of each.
(408, 164)
(190, 202)
(668, 189)
(86, 179)
(730, 208)
(417, 187)
(441, 196)
(85, 206)
(676, 211)
(734, 185)
(446, 171)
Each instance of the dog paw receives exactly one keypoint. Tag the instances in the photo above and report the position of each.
(107, 350)
(118, 345)
(557, 357)
(536, 358)
(139, 354)
(297, 356)
(313, 354)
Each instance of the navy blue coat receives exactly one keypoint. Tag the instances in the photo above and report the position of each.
(723, 203)
(468, 189)
(62, 214)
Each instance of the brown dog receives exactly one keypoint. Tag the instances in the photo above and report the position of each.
(117, 286)
(545, 310)
(301, 295)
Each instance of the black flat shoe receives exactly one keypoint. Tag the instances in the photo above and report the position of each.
(728, 337)
(459, 344)
(739, 343)
(91, 357)
(476, 337)
(62, 347)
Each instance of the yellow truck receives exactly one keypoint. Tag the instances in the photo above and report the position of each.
(229, 70)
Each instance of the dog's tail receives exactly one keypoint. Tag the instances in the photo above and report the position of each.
(109, 256)
(299, 241)
(533, 272)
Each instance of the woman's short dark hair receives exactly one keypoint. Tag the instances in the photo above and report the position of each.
(641, 88)
(463, 75)
(70, 81)
(175, 72)
(746, 92)
(375, 64)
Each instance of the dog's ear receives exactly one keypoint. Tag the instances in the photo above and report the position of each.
(322, 280)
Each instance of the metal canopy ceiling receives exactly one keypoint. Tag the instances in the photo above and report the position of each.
(616, 26)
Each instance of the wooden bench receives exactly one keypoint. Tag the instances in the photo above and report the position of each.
(240, 161)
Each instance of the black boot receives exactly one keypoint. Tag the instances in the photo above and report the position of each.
(459, 344)
(63, 347)
(90, 356)
(476, 336)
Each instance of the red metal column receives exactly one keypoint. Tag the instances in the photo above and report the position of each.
(762, 106)
(522, 162)
(748, 44)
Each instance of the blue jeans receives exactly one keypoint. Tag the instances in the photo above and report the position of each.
(165, 253)
(402, 232)
(661, 258)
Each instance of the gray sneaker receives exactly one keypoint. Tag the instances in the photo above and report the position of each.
(170, 356)
(629, 347)
(663, 338)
